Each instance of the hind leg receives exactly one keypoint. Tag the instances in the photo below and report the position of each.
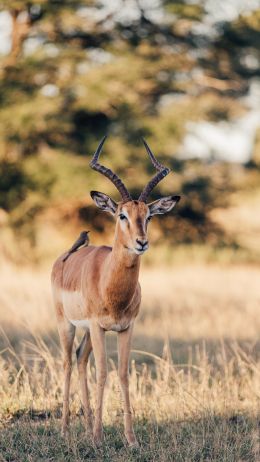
(124, 346)
(67, 334)
(83, 352)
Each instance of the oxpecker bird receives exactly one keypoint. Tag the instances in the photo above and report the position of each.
(82, 241)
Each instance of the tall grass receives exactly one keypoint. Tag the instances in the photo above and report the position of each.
(195, 370)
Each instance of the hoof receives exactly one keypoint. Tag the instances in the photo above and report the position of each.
(97, 442)
(89, 433)
(132, 442)
(98, 438)
(89, 427)
(65, 432)
(134, 445)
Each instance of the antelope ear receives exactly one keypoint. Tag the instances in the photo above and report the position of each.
(163, 205)
(104, 202)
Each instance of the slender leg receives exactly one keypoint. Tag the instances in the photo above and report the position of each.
(124, 345)
(67, 334)
(99, 350)
(83, 352)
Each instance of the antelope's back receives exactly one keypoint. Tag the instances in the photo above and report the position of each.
(68, 274)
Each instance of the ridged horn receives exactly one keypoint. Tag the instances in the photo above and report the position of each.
(162, 172)
(108, 173)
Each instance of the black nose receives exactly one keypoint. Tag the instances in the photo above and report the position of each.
(142, 243)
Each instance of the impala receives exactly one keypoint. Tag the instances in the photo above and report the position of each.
(97, 288)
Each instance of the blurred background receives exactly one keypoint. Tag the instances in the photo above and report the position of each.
(183, 74)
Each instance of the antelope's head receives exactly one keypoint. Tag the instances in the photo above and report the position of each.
(132, 216)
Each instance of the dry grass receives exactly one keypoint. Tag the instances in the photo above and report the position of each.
(195, 377)
(241, 220)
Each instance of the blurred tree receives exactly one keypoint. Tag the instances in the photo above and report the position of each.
(79, 69)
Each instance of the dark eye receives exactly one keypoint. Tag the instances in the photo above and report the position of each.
(122, 216)
(149, 218)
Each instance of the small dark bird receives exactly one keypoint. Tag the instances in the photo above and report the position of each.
(82, 241)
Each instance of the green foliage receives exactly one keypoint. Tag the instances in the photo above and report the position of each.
(192, 11)
(16, 174)
(73, 78)
(12, 174)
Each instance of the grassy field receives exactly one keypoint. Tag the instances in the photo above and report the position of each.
(195, 370)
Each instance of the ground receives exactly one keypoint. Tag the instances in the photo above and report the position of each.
(194, 379)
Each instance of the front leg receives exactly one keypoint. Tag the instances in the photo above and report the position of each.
(99, 349)
(124, 345)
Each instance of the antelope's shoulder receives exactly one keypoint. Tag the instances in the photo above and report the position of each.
(69, 270)
(71, 266)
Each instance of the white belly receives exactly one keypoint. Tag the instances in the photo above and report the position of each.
(80, 323)
(73, 304)
(74, 308)
(108, 323)
(116, 327)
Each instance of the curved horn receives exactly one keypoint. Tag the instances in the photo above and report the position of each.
(108, 173)
(162, 172)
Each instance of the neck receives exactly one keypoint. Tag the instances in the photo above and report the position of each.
(124, 263)
(121, 277)
(123, 257)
